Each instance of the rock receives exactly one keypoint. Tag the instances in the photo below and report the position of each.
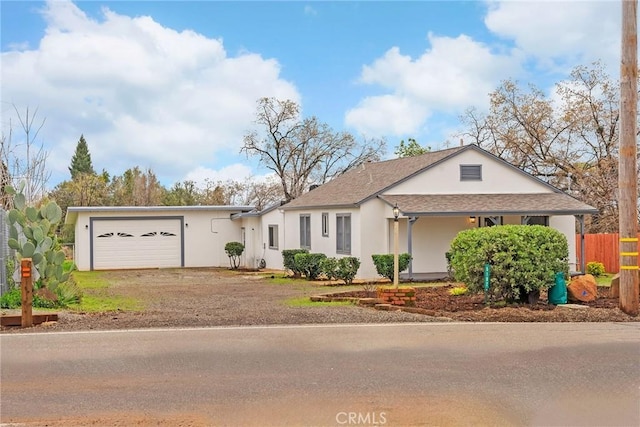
(614, 290)
(582, 288)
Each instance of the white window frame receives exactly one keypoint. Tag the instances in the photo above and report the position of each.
(325, 224)
(273, 236)
(305, 231)
(343, 234)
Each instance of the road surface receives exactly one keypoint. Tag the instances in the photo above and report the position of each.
(335, 375)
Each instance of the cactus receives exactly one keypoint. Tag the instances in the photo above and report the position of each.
(32, 235)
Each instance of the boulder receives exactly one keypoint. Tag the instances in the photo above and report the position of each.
(614, 290)
(582, 288)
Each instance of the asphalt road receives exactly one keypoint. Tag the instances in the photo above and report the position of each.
(337, 375)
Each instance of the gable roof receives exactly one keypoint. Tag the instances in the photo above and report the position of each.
(371, 180)
(368, 180)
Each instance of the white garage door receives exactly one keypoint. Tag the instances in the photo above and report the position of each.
(136, 243)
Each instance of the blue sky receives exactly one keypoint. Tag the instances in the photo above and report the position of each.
(172, 86)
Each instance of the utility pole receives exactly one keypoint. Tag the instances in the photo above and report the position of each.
(628, 176)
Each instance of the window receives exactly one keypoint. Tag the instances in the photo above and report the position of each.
(325, 224)
(343, 234)
(273, 237)
(305, 231)
(490, 221)
(535, 220)
(470, 172)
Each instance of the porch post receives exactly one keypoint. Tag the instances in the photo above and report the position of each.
(410, 244)
(582, 248)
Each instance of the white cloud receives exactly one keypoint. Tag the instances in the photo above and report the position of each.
(455, 73)
(236, 172)
(559, 33)
(142, 94)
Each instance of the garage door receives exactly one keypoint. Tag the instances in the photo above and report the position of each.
(136, 243)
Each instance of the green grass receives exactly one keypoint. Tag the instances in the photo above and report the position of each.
(99, 297)
(604, 280)
(306, 302)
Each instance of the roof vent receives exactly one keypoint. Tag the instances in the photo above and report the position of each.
(313, 187)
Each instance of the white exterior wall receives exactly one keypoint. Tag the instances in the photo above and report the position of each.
(272, 256)
(376, 238)
(205, 234)
(205, 237)
(444, 178)
(567, 226)
(431, 239)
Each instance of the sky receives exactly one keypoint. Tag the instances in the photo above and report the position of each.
(173, 86)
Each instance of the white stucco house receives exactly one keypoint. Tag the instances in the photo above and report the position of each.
(438, 194)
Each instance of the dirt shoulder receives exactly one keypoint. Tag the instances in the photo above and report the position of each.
(204, 297)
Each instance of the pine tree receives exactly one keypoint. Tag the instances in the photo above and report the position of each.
(81, 160)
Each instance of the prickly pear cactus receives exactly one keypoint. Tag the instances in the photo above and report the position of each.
(32, 235)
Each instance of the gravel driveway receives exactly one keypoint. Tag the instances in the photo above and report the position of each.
(199, 297)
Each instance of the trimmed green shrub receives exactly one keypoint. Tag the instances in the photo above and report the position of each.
(384, 264)
(234, 251)
(595, 268)
(288, 260)
(309, 264)
(347, 269)
(523, 259)
(329, 268)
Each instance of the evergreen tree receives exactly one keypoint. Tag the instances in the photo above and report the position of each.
(81, 160)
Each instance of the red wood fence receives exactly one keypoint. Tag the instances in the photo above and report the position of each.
(604, 248)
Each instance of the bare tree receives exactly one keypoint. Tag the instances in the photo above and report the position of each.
(24, 160)
(303, 151)
(571, 143)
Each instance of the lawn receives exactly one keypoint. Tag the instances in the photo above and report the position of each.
(98, 296)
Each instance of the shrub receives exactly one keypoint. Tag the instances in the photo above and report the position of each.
(11, 299)
(234, 251)
(523, 258)
(347, 269)
(458, 290)
(329, 268)
(288, 260)
(595, 268)
(384, 264)
(309, 264)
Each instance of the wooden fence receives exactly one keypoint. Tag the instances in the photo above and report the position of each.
(604, 248)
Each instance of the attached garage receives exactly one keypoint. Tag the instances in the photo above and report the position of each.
(143, 242)
(130, 237)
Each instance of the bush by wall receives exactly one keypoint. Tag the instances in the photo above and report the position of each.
(309, 264)
(523, 258)
(234, 251)
(288, 260)
(384, 264)
(344, 268)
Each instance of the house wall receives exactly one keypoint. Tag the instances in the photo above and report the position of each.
(444, 178)
(205, 234)
(432, 237)
(320, 243)
(377, 238)
(567, 226)
(259, 231)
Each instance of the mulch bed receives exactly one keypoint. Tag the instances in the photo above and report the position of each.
(437, 301)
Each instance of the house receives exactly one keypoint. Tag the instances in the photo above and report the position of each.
(437, 194)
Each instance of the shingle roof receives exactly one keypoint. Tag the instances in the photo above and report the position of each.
(368, 180)
(488, 204)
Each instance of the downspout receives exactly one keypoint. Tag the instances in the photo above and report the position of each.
(410, 244)
(582, 247)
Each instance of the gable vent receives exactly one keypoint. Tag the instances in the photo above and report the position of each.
(470, 172)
